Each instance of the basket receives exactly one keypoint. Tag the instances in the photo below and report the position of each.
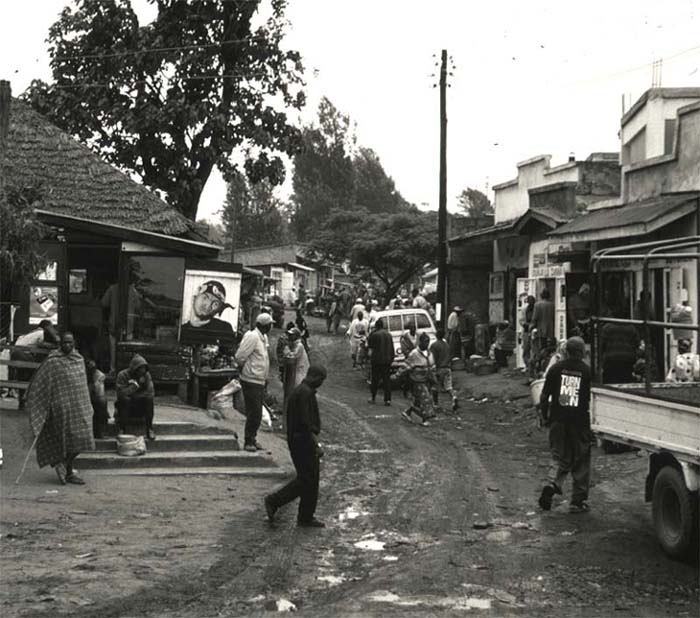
(536, 387)
(130, 446)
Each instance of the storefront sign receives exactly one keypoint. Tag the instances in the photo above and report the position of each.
(551, 271)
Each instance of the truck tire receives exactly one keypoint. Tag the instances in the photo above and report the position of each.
(675, 513)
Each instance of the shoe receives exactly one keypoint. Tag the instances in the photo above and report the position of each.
(578, 507)
(371, 400)
(251, 448)
(61, 473)
(407, 416)
(258, 446)
(74, 479)
(545, 500)
(387, 403)
(150, 434)
(312, 523)
(270, 508)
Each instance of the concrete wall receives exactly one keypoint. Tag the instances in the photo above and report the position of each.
(674, 173)
(510, 253)
(653, 109)
(468, 270)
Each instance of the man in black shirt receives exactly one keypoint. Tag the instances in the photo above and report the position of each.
(564, 408)
(381, 351)
(303, 427)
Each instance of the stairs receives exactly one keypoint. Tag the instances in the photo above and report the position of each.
(181, 448)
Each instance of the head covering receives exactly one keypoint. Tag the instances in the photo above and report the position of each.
(359, 301)
(458, 308)
(294, 332)
(575, 345)
(215, 288)
(263, 319)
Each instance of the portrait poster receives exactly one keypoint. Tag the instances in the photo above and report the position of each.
(210, 306)
(43, 304)
(77, 281)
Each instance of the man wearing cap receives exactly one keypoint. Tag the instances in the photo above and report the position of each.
(454, 339)
(203, 325)
(254, 363)
(564, 409)
(303, 428)
(358, 307)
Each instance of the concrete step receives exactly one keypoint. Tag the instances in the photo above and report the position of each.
(175, 459)
(174, 427)
(189, 443)
(248, 471)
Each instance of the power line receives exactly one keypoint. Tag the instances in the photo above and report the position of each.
(156, 50)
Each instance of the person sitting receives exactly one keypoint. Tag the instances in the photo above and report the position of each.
(686, 367)
(96, 387)
(135, 396)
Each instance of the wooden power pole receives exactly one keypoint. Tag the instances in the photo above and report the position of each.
(442, 204)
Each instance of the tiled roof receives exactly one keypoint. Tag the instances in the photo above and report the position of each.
(640, 213)
(75, 181)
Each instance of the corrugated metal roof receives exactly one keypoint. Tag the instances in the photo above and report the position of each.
(644, 212)
(485, 231)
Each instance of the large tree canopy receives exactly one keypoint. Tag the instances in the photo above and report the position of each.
(169, 100)
(474, 203)
(393, 247)
(252, 214)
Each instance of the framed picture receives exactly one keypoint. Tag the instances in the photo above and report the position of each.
(210, 305)
(43, 304)
(49, 273)
(77, 281)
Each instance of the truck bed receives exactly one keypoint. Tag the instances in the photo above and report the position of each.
(666, 420)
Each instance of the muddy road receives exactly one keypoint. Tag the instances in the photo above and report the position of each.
(423, 521)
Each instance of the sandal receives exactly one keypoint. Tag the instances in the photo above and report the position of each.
(74, 479)
(578, 507)
(60, 473)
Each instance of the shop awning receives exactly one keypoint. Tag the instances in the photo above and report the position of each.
(133, 235)
(634, 219)
(301, 267)
(487, 234)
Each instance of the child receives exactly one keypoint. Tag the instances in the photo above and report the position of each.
(687, 365)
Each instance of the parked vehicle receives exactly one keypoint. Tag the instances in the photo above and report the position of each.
(662, 418)
(397, 321)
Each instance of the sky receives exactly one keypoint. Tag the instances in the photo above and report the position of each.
(529, 78)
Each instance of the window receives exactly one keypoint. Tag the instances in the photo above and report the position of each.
(408, 320)
(154, 301)
(395, 323)
(635, 149)
(669, 132)
(422, 321)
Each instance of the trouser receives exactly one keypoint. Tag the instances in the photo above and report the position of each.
(253, 396)
(618, 372)
(305, 485)
(455, 342)
(336, 322)
(132, 408)
(443, 376)
(100, 416)
(526, 349)
(381, 376)
(570, 447)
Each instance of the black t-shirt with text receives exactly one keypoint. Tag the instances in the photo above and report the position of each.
(567, 393)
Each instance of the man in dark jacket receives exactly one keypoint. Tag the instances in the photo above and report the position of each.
(303, 428)
(618, 348)
(564, 408)
(135, 393)
(381, 351)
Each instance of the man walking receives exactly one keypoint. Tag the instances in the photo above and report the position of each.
(253, 359)
(454, 337)
(303, 428)
(443, 368)
(564, 408)
(541, 328)
(381, 352)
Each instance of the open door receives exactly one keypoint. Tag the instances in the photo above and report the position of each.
(524, 288)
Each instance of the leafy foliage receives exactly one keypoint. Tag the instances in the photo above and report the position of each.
(374, 189)
(169, 100)
(474, 203)
(252, 214)
(393, 247)
(20, 235)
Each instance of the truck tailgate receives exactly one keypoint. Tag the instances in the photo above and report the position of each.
(647, 422)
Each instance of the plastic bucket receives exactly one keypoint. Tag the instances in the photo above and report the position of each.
(536, 387)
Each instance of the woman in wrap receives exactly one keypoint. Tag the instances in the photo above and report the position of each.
(420, 366)
(294, 351)
(60, 412)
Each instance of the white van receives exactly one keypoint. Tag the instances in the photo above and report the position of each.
(397, 321)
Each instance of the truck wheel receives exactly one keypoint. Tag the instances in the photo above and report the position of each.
(675, 512)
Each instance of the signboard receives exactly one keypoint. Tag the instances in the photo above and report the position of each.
(552, 271)
(43, 304)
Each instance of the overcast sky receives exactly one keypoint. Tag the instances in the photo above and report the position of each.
(531, 77)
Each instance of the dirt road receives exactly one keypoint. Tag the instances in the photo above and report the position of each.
(422, 521)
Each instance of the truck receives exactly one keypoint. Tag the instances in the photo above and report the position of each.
(661, 418)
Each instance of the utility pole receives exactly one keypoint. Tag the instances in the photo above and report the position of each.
(442, 204)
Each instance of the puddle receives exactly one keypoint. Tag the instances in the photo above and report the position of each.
(454, 603)
(333, 580)
(351, 513)
(498, 536)
(371, 545)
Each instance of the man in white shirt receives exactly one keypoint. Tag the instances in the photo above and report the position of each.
(254, 362)
(359, 329)
(356, 308)
(419, 301)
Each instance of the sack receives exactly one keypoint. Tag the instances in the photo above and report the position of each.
(131, 446)
(227, 390)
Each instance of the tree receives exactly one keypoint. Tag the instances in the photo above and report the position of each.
(393, 247)
(20, 234)
(169, 100)
(474, 203)
(323, 170)
(252, 214)
(374, 188)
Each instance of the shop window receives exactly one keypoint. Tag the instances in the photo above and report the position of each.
(154, 302)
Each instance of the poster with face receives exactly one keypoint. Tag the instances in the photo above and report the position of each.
(210, 307)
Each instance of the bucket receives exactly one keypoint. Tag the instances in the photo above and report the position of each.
(536, 387)
(130, 446)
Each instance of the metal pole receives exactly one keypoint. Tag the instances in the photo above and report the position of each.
(442, 204)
